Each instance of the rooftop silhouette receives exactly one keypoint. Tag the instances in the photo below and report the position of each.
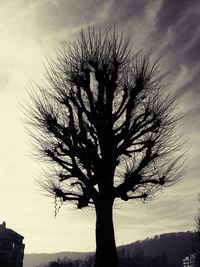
(11, 247)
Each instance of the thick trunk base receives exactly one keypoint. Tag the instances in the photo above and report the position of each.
(106, 252)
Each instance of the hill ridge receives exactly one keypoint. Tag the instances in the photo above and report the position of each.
(176, 245)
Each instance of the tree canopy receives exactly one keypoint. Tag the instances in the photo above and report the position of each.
(108, 126)
(105, 121)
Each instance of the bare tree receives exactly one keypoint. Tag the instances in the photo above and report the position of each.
(108, 126)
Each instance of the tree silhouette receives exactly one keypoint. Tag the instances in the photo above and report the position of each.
(105, 121)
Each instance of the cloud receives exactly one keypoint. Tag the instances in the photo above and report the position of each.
(184, 41)
(175, 36)
(176, 31)
(54, 16)
(170, 13)
(126, 10)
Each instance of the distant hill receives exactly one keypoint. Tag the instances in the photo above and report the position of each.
(32, 260)
(175, 245)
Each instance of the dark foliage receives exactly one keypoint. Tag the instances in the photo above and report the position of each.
(88, 262)
(136, 260)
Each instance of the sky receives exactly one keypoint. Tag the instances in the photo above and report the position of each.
(30, 32)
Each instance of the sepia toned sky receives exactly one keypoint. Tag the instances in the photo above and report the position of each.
(30, 31)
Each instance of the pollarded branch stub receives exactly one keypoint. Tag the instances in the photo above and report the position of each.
(94, 63)
(51, 124)
(126, 197)
(162, 180)
(83, 201)
(149, 143)
(59, 193)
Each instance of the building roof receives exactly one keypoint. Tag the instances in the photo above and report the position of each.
(6, 233)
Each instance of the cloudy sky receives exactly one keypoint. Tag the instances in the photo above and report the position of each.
(30, 31)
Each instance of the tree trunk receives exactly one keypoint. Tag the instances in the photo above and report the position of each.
(106, 252)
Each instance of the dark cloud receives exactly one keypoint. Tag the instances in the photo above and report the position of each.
(184, 41)
(192, 86)
(176, 37)
(123, 11)
(170, 12)
(192, 55)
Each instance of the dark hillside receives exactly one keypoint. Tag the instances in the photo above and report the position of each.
(175, 245)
